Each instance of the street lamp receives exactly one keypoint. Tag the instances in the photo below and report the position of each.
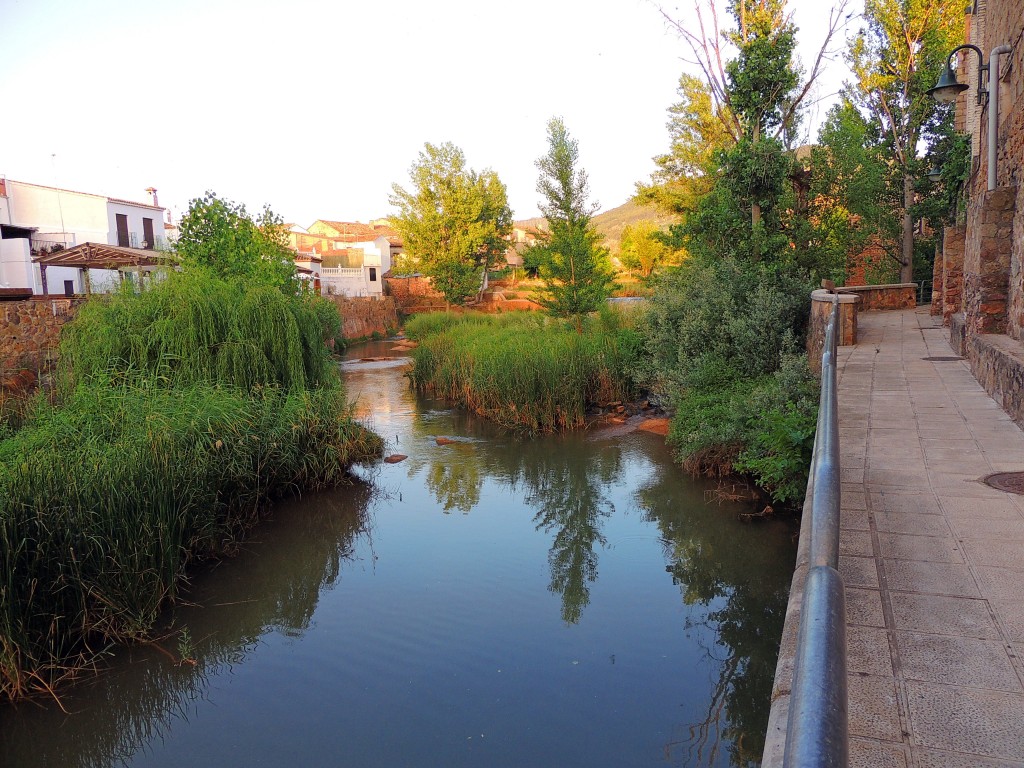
(947, 89)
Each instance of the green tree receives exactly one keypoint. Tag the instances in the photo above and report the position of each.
(575, 268)
(454, 220)
(220, 235)
(643, 248)
(697, 129)
(894, 60)
(853, 203)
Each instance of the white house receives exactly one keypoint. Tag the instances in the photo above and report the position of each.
(366, 261)
(36, 220)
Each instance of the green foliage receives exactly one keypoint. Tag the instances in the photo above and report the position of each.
(643, 248)
(105, 500)
(221, 236)
(575, 268)
(781, 422)
(895, 59)
(854, 197)
(524, 369)
(453, 221)
(697, 131)
(180, 412)
(721, 345)
(741, 318)
(762, 76)
(195, 328)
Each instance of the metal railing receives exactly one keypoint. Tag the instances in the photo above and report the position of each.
(816, 734)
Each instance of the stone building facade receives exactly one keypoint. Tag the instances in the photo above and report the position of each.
(980, 276)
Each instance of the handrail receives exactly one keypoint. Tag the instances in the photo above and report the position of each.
(816, 734)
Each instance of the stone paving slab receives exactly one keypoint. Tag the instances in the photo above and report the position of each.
(933, 559)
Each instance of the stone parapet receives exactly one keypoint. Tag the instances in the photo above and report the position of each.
(889, 296)
(821, 310)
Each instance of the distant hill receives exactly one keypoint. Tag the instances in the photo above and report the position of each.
(611, 223)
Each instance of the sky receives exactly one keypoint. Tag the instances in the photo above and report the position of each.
(316, 108)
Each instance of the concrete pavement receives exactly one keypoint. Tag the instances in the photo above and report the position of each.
(933, 558)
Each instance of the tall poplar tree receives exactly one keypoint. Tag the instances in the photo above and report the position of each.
(574, 266)
(895, 59)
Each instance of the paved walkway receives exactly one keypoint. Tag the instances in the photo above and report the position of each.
(933, 559)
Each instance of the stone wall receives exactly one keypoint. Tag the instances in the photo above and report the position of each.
(995, 227)
(952, 272)
(997, 362)
(987, 261)
(30, 331)
(412, 293)
(363, 317)
(892, 296)
(936, 306)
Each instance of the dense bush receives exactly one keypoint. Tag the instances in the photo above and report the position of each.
(723, 349)
(525, 369)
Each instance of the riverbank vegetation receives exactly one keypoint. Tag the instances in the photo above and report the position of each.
(526, 369)
(177, 413)
(764, 220)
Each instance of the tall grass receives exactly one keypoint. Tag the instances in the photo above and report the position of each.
(196, 328)
(181, 412)
(524, 369)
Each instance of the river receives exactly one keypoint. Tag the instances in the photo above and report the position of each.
(497, 601)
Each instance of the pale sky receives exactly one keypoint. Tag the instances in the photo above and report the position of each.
(316, 108)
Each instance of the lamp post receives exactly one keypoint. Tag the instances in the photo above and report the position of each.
(948, 88)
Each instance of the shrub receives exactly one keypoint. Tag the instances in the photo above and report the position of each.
(722, 346)
(524, 369)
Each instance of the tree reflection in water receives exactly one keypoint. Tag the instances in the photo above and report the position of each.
(733, 570)
(729, 572)
(277, 589)
(563, 478)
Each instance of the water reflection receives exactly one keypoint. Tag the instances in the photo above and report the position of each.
(564, 479)
(738, 576)
(149, 690)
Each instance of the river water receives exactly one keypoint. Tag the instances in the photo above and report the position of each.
(497, 601)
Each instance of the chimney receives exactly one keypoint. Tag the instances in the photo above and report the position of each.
(152, 194)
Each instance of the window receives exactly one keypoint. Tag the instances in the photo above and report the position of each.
(373, 274)
(147, 234)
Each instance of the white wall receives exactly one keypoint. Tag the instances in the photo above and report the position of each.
(15, 263)
(376, 252)
(84, 217)
(354, 282)
(50, 210)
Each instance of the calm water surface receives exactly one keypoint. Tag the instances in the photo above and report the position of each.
(500, 601)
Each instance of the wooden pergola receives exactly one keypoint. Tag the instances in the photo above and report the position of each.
(101, 256)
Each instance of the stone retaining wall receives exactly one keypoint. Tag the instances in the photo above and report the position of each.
(997, 362)
(412, 292)
(30, 331)
(363, 317)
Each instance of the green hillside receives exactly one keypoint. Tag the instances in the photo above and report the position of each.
(611, 223)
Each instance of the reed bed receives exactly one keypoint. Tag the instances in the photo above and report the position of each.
(159, 451)
(524, 369)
